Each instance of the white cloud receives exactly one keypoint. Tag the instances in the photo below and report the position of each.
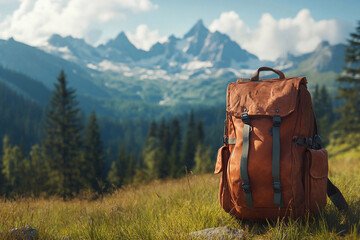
(35, 20)
(274, 38)
(144, 38)
(229, 22)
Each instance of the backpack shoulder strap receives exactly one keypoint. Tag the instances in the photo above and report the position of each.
(336, 197)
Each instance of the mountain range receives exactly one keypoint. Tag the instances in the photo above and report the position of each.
(198, 52)
(117, 79)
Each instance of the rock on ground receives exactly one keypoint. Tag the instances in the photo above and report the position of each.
(23, 233)
(219, 233)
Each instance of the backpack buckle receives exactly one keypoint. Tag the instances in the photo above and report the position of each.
(277, 187)
(225, 139)
(310, 143)
(276, 121)
(246, 187)
(245, 118)
(317, 141)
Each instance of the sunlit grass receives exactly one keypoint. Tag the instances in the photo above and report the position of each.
(173, 208)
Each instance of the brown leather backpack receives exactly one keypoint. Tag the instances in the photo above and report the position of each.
(272, 161)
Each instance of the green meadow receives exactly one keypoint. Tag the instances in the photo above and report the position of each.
(171, 209)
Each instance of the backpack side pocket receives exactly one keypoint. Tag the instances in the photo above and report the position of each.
(221, 166)
(316, 173)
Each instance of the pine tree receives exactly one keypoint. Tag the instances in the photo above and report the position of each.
(109, 159)
(2, 178)
(324, 113)
(7, 165)
(161, 131)
(63, 139)
(200, 136)
(152, 155)
(130, 171)
(113, 176)
(189, 147)
(203, 162)
(140, 175)
(16, 170)
(140, 172)
(123, 161)
(10, 160)
(174, 158)
(164, 149)
(349, 92)
(22, 173)
(39, 171)
(326, 101)
(155, 152)
(165, 139)
(316, 101)
(94, 157)
(152, 130)
(118, 169)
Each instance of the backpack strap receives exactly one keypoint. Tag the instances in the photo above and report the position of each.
(276, 161)
(244, 160)
(227, 140)
(336, 197)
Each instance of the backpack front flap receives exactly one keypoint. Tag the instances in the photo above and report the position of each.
(262, 116)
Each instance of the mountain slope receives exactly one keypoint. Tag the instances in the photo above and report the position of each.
(121, 49)
(25, 86)
(20, 119)
(326, 58)
(73, 49)
(196, 38)
(45, 67)
(320, 67)
(199, 44)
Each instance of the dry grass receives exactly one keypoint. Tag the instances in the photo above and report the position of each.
(173, 208)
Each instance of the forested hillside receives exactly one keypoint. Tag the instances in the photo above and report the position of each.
(20, 118)
(100, 153)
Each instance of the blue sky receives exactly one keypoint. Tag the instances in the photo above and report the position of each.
(295, 26)
(177, 16)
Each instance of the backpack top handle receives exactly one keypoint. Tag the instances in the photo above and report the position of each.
(255, 77)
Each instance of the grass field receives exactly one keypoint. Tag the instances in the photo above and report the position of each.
(173, 208)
